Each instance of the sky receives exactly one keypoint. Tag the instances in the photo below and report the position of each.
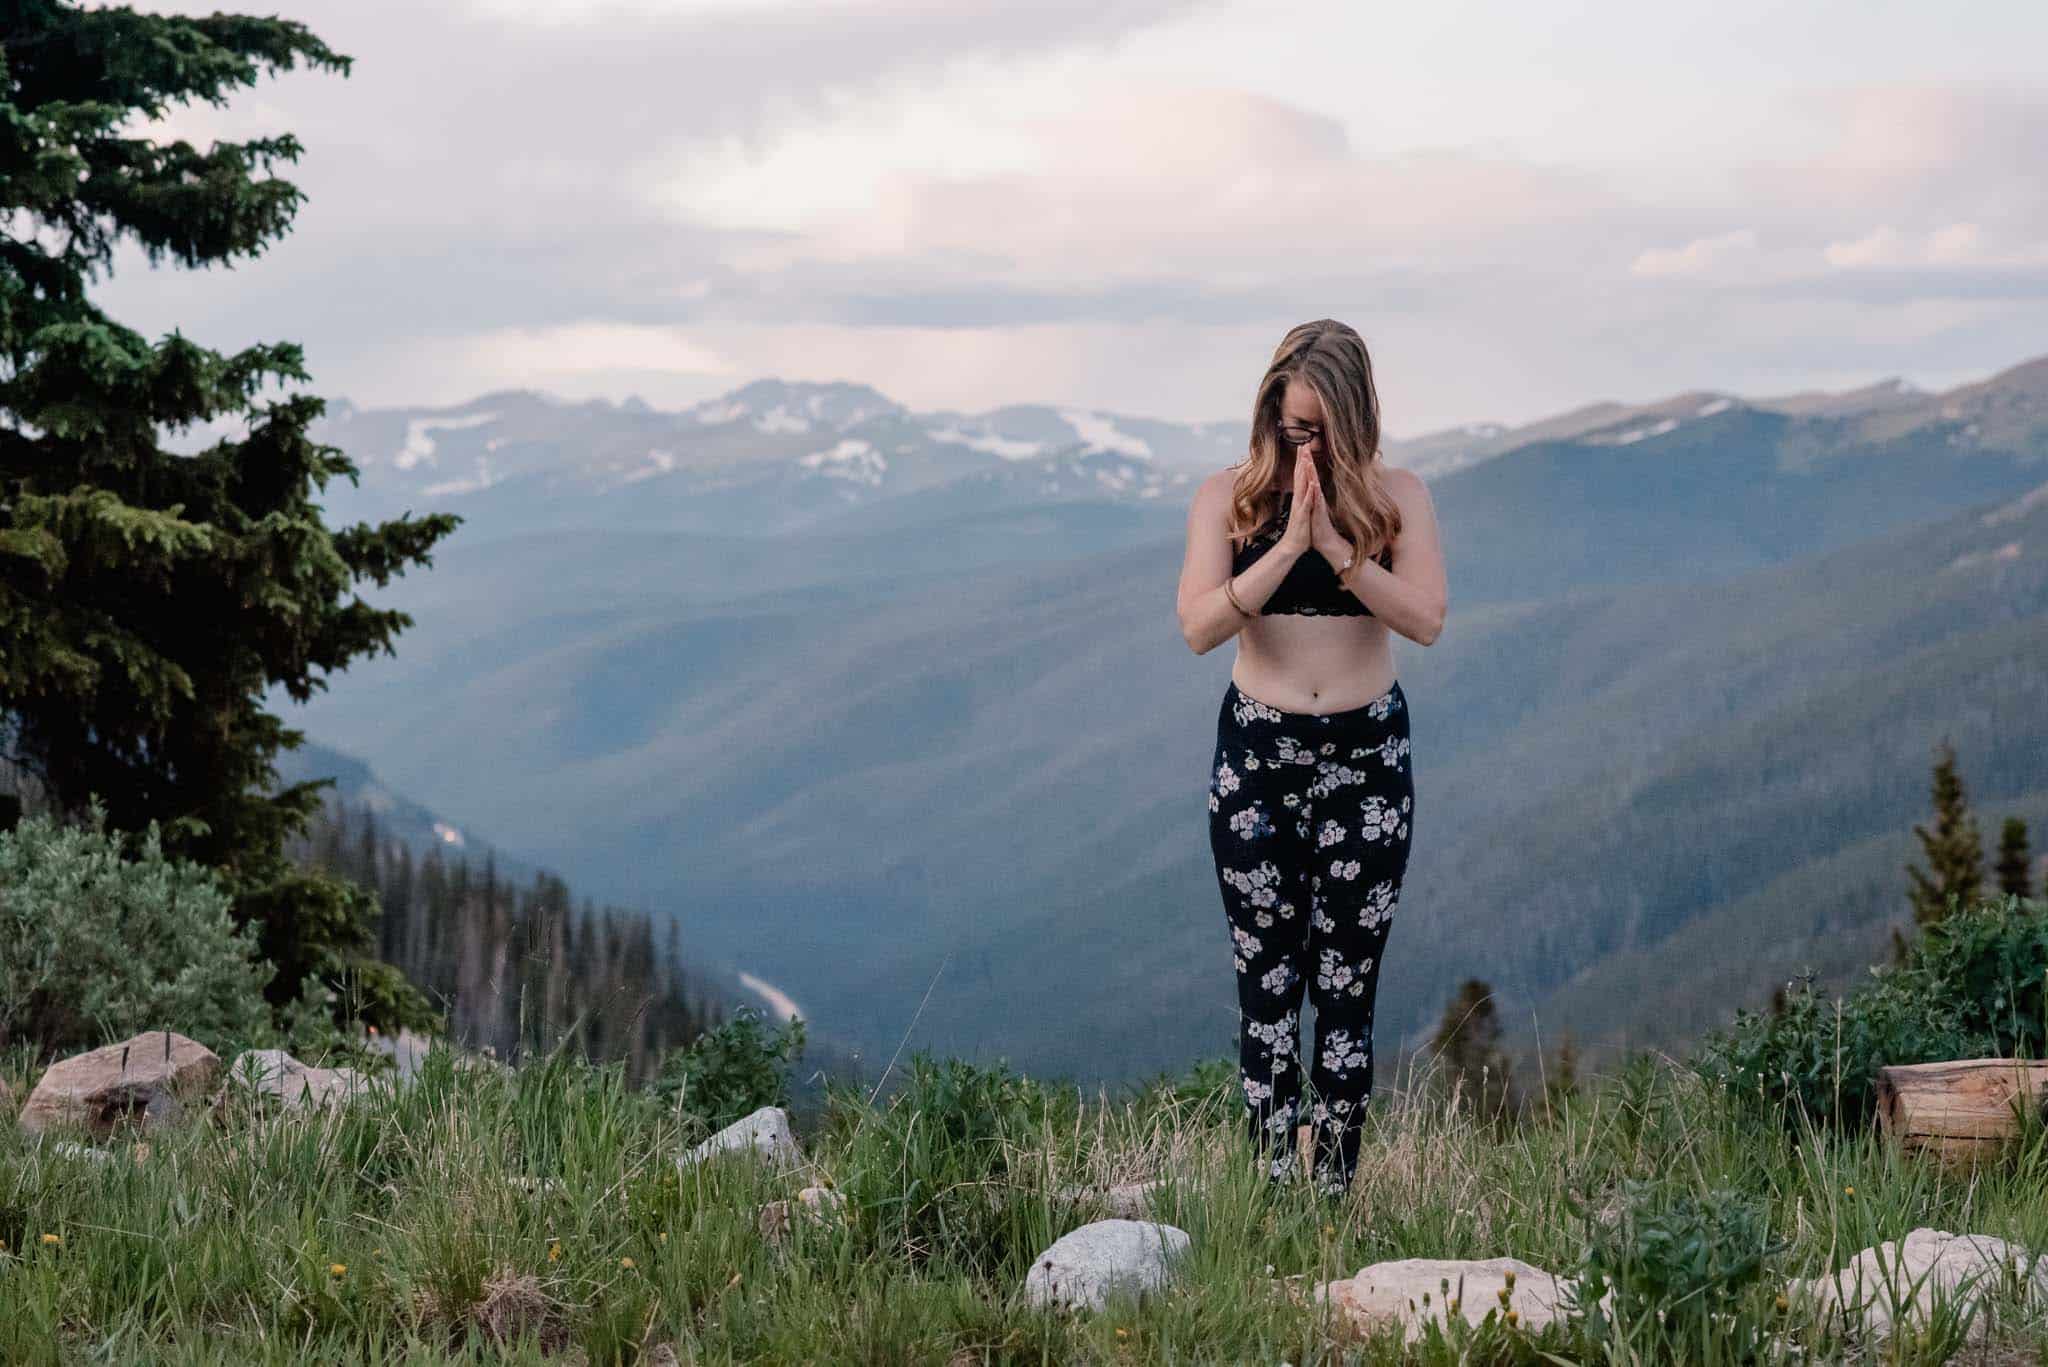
(1124, 204)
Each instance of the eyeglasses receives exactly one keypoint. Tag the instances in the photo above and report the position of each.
(1299, 436)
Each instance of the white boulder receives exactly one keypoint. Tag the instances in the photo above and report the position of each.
(273, 1072)
(1900, 1278)
(766, 1133)
(1085, 1265)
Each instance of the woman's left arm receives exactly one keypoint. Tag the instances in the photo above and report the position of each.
(1413, 596)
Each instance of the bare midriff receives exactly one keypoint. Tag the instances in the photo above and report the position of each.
(1313, 664)
(1307, 663)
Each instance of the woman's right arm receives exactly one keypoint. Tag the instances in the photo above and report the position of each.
(1207, 618)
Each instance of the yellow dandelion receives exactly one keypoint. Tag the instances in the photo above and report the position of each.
(336, 1269)
(1848, 1191)
(1509, 1277)
(625, 1262)
(52, 1240)
(1514, 1317)
(1782, 1303)
(1123, 1333)
(664, 1236)
(554, 1250)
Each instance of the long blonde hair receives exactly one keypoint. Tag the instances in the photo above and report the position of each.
(1330, 358)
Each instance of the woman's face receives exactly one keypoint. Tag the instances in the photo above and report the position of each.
(1299, 407)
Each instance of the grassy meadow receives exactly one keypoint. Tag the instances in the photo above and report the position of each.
(539, 1215)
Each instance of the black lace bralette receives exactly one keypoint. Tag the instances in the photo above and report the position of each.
(1311, 587)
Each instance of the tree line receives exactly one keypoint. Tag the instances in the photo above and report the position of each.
(1468, 1039)
(518, 969)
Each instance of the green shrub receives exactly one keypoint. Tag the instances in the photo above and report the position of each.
(729, 1071)
(1991, 961)
(929, 1171)
(971, 1109)
(1679, 1264)
(1969, 987)
(1210, 1086)
(94, 946)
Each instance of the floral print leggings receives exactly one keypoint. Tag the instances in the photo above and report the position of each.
(1309, 823)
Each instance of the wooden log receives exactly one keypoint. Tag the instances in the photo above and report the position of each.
(1958, 1111)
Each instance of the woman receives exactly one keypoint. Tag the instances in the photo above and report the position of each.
(1315, 550)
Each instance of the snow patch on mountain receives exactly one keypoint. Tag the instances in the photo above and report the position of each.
(2009, 551)
(1634, 434)
(1009, 448)
(780, 419)
(715, 411)
(1116, 474)
(1101, 434)
(1713, 406)
(482, 479)
(852, 459)
(658, 463)
(419, 438)
(2018, 508)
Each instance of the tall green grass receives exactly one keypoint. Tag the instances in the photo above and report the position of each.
(485, 1216)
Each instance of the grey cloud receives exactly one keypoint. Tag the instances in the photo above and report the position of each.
(1879, 285)
(470, 174)
(898, 297)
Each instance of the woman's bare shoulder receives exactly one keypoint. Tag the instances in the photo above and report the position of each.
(1216, 488)
(1404, 484)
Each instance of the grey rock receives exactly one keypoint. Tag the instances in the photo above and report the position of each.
(146, 1082)
(408, 1050)
(273, 1072)
(1877, 1286)
(1410, 1292)
(765, 1133)
(1084, 1266)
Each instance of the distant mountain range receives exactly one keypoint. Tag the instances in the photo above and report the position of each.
(766, 459)
(1673, 738)
(771, 457)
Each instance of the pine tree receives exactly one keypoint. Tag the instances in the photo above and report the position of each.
(1954, 850)
(1468, 1038)
(370, 855)
(149, 600)
(2015, 864)
(1563, 1082)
